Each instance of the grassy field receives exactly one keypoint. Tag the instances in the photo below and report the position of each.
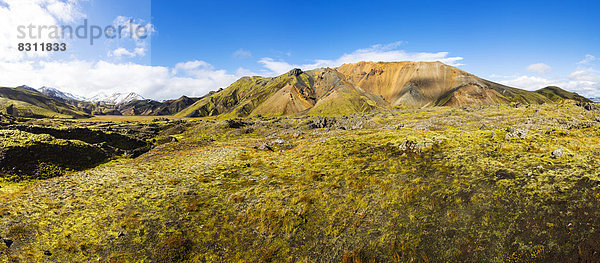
(490, 184)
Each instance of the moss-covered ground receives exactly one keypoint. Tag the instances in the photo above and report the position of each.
(491, 184)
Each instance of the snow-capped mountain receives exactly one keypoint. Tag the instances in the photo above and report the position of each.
(26, 87)
(117, 98)
(54, 93)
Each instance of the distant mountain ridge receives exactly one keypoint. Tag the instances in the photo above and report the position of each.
(116, 98)
(348, 89)
(362, 87)
(47, 102)
(130, 104)
(55, 93)
(155, 108)
(28, 102)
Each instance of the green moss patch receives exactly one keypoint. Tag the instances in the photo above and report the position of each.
(27, 156)
(432, 185)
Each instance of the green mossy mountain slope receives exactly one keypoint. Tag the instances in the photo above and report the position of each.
(557, 94)
(22, 102)
(363, 87)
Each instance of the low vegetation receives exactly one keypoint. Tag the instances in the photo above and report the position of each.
(46, 148)
(26, 156)
(504, 183)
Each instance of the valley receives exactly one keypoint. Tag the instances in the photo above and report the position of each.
(510, 183)
(369, 162)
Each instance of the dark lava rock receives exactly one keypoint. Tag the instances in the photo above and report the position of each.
(86, 135)
(47, 253)
(589, 106)
(29, 156)
(236, 124)
(322, 122)
(295, 72)
(139, 151)
(341, 123)
(8, 242)
(265, 147)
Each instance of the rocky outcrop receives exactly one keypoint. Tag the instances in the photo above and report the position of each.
(25, 156)
(295, 72)
(115, 140)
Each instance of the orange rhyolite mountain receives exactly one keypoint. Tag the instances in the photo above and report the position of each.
(358, 87)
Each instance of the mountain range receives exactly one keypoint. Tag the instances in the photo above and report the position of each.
(350, 88)
(120, 103)
(365, 86)
(57, 94)
(116, 98)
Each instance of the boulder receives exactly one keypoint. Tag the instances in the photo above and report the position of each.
(322, 122)
(413, 147)
(558, 153)
(515, 134)
(265, 147)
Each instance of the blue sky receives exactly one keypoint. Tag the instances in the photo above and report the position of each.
(198, 46)
(493, 37)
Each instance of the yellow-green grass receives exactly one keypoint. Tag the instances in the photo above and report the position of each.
(471, 195)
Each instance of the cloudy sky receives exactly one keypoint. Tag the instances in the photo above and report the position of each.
(192, 47)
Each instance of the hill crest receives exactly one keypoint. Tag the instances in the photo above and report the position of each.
(361, 87)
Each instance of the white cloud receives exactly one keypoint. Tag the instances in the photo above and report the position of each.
(588, 59)
(191, 66)
(277, 67)
(241, 53)
(15, 13)
(583, 80)
(137, 29)
(590, 89)
(539, 68)
(64, 11)
(527, 82)
(85, 78)
(376, 53)
(586, 74)
(131, 31)
(191, 78)
(122, 52)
